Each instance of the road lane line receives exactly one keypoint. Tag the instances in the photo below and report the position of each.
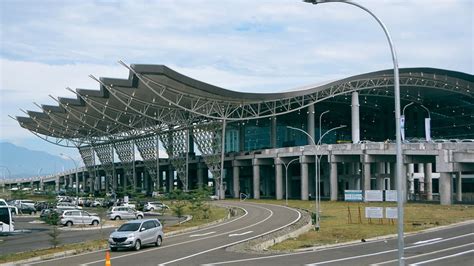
(424, 254)
(445, 257)
(241, 234)
(204, 234)
(427, 241)
(103, 250)
(326, 249)
(181, 243)
(240, 241)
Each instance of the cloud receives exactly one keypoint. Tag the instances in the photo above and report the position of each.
(246, 45)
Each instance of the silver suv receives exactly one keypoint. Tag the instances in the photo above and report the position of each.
(71, 217)
(121, 212)
(155, 205)
(134, 234)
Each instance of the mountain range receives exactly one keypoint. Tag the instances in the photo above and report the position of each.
(19, 162)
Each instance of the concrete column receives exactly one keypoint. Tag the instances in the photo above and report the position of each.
(366, 177)
(333, 177)
(256, 179)
(236, 181)
(57, 183)
(274, 132)
(97, 183)
(421, 180)
(355, 117)
(459, 186)
(170, 176)
(393, 181)
(380, 174)
(310, 123)
(200, 174)
(304, 180)
(114, 182)
(445, 188)
(411, 180)
(428, 181)
(278, 179)
(91, 184)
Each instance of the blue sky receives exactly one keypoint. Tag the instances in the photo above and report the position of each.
(243, 45)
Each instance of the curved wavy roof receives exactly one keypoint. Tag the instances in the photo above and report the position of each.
(155, 98)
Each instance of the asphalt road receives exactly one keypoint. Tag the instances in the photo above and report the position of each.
(191, 247)
(448, 246)
(444, 246)
(38, 237)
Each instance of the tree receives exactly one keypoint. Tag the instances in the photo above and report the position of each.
(54, 234)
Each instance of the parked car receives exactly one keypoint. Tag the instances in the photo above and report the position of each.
(155, 205)
(67, 206)
(26, 209)
(71, 217)
(97, 203)
(135, 234)
(122, 212)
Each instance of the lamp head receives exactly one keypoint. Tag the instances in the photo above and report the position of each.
(314, 2)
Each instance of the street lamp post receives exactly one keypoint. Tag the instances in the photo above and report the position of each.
(77, 176)
(4, 176)
(317, 197)
(287, 165)
(401, 259)
(427, 122)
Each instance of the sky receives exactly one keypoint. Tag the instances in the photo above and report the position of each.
(243, 45)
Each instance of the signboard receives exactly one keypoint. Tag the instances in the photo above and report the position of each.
(373, 195)
(390, 195)
(125, 199)
(391, 213)
(402, 127)
(352, 195)
(428, 129)
(374, 212)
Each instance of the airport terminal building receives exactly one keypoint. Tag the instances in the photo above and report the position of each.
(332, 137)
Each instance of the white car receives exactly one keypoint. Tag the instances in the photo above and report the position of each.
(155, 205)
(134, 234)
(122, 212)
(71, 217)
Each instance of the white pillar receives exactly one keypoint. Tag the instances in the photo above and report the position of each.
(445, 188)
(304, 180)
(278, 179)
(355, 117)
(411, 179)
(236, 182)
(256, 179)
(366, 176)
(333, 173)
(200, 174)
(458, 186)
(380, 175)
(428, 181)
(421, 180)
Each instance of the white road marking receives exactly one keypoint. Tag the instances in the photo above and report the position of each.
(241, 234)
(204, 234)
(424, 254)
(240, 241)
(445, 257)
(427, 241)
(331, 248)
(153, 249)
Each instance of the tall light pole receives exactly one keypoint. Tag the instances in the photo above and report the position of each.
(320, 117)
(77, 176)
(4, 176)
(401, 244)
(287, 165)
(317, 197)
(427, 122)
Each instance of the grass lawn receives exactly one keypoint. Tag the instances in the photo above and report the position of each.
(334, 226)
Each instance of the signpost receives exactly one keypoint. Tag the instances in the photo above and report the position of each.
(391, 195)
(374, 212)
(373, 195)
(352, 195)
